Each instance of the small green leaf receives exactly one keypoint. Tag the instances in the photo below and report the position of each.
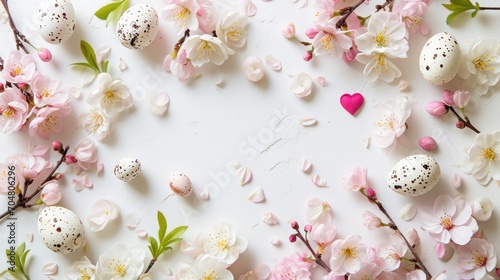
(176, 232)
(104, 66)
(452, 16)
(104, 11)
(89, 54)
(153, 247)
(23, 257)
(84, 64)
(162, 226)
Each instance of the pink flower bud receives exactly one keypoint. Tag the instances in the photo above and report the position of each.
(294, 225)
(23, 86)
(461, 98)
(436, 108)
(288, 31)
(371, 193)
(58, 176)
(70, 159)
(427, 143)
(51, 193)
(308, 55)
(45, 55)
(292, 238)
(2, 88)
(460, 124)
(311, 33)
(350, 55)
(57, 146)
(448, 97)
(308, 228)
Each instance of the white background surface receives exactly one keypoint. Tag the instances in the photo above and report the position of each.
(207, 128)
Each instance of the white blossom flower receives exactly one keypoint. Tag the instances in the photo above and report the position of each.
(182, 13)
(207, 267)
(80, 270)
(483, 158)
(95, 122)
(385, 35)
(482, 65)
(112, 96)
(378, 66)
(476, 258)
(158, 102)
(205, 48)
(232, 30)
(347, 255)
(103, 212)
(301, 85)
(121, 263)
(224, 244)
(390, 121)
(253, 69)
(330, 41)
(482, 207)
(318, 211)
(368, 271)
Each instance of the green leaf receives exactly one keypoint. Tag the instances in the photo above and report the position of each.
(162, 226)
(104, 65)
(153, 247)
(177, 232)
(84, 64)
(452, 16)
(89, 54)
(104, 11)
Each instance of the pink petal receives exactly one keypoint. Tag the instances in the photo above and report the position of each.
(461, 235)
(321, 81)
(131, 220)
(49, 268)
(203, 194)
(141, 233)
(456, 180)
(276, 242)
(318, 181)
(440, 250)
(244, 175)
(444, 204)
(305, 165)
(273, 62)
(249, 8)
(270, 219)
(257, 195)
(308, 121)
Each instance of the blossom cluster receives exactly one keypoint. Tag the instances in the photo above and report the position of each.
(210, 36)
(373, 40)
(30, 99)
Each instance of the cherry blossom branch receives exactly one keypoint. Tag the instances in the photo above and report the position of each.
(347, 11)
(23, 198)
(150, 265)
(317, 257)
(463, 121)
(18, 36)
(393, 226)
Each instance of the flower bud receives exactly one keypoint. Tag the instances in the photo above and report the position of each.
(288, 31)
(58, 176)
(350, 55)
(44, 54)
(311, 33)
(2, 87)
(51, 193)
(308, 55)
(70, 159)
(448, 97)
(460, 124)
(427, 143)
(308, 228)
(294, 225)
(57, 146)
(461, 98)
(23, 86)
(436, 108)
(371, 193)
(292, 238)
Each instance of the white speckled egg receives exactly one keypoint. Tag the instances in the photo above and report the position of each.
(127, 169)
(60, 229)
(55, 20)
(137, 26)
(440, 59)
(414, 175)
(180, 184)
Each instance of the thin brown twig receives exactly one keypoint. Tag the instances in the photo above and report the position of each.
(465, 121)
(18, 36)
(317, 257)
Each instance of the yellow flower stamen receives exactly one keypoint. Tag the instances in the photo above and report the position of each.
(446, 222)
(349, 252)
(120, 270)
(16, 71)
(326, 42)
(479, 259)
(84, 275)
(382, 38)
(97, 120)
(9, 112)
(481, 63)
(489, 154)
(182, 15)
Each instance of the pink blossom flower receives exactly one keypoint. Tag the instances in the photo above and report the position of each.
(318, 211)
(461, 98)
(450, 220)
(326, 10)
(356, 179)
(179, 66)
(6, 177)
(323, 234)
(51, 193)
(412, 13)
(330, 40)
(476, 258)
(49, 120)
(288, 31)
(13, 110)
(347, 255)
(371, 221)
(368, 271)
(84, 182)
(45, 55)
(19, 68)
(350, 55)
(48, 92)
(296, 266)
(390, 121)
(206, 15)
(392, 251)
(182, 13)
(311, 33)
(29, 165)
(86, 154)
(436, 108)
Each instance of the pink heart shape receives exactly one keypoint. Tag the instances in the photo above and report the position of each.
(352, 103)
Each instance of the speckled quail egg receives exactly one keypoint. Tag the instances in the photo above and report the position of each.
(127, 169)
(60, 229)
(414, 175)
(55, 20)
(137, 26)
(440, 59)
(180, 184)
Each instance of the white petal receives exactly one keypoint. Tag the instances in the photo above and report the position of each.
(49, 268)
(308, 121)
(203, 194)
(248, 8)
(270, 219)
(408, 212)
(253, 69)
(367, 142)
(273, 63)
(29, 237)
(141, 233)
(131, 220)
(318, 181)
(276, 242)
(403, 85)
(158, 102)
(305, 165)
(102, 52)
(122, 65)
(244, 175)
(257, 195)
(456, 180)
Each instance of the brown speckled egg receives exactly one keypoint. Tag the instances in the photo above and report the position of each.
(414, 175)
(137, 26)
(55, 20)
(60, 229)
(180, 184)
(440, 59)
(127, 169)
